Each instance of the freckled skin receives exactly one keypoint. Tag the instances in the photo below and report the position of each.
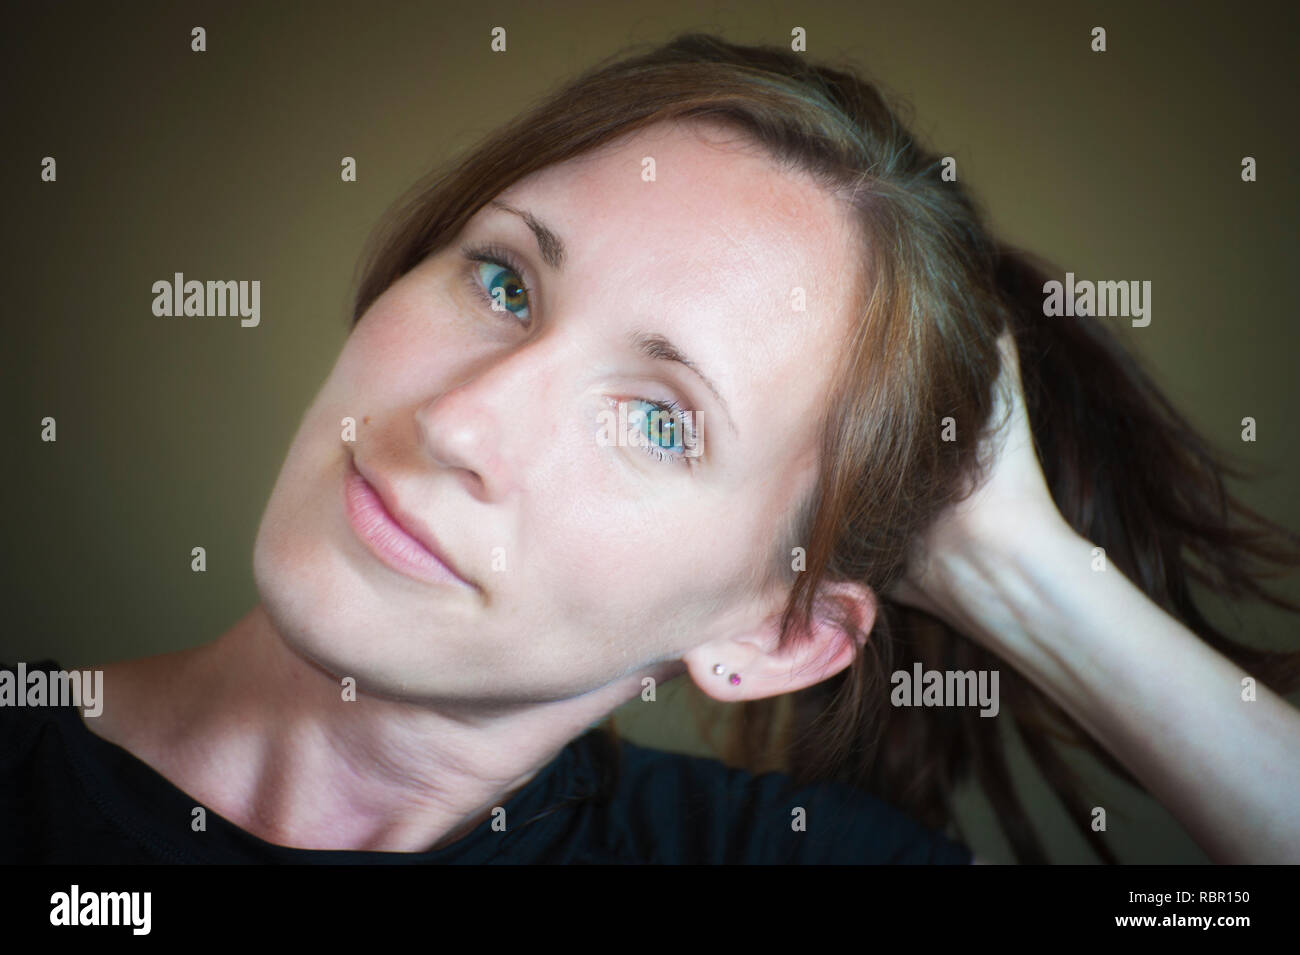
(614, 562)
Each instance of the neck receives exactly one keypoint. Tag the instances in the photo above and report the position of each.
(266, 739)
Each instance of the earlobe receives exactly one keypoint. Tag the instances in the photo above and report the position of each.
(722, 680)
(720, 670)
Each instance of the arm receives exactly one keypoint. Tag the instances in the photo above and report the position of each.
(1166, 705)
(1006, 569)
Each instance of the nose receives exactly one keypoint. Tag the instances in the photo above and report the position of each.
(482, 428)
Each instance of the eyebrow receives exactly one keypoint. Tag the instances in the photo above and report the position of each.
(650, 344)
(656, 346)
(548, 243)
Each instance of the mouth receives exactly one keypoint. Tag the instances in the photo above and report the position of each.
(380, 524)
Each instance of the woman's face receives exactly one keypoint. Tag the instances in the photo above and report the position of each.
(495, 431)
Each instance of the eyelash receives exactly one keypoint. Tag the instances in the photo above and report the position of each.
(493, 254)
(672, 409)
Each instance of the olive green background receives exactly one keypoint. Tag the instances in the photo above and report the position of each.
(225, 164)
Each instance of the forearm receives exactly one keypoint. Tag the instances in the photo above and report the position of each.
(1164, 703)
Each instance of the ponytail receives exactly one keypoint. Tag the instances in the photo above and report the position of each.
(1128, 472)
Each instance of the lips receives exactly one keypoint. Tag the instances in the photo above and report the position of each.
(391, 534)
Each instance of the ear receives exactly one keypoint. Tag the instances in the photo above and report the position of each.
(764, 668)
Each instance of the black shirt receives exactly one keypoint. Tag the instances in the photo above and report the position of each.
(69, 796)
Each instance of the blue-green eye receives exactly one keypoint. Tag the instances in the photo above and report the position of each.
(666, 431)
(497, 279)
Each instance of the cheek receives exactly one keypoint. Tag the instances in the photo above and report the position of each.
(631, 557)
(390, 345)
(423, 321)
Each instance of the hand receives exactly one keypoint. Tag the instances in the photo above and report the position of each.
(1007, 510)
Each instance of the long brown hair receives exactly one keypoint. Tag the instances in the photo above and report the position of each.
(924, 349)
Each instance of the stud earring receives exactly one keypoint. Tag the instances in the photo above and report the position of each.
(719, 669)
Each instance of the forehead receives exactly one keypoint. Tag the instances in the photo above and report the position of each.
(703, 194)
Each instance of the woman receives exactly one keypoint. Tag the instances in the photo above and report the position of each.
(703, 367)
